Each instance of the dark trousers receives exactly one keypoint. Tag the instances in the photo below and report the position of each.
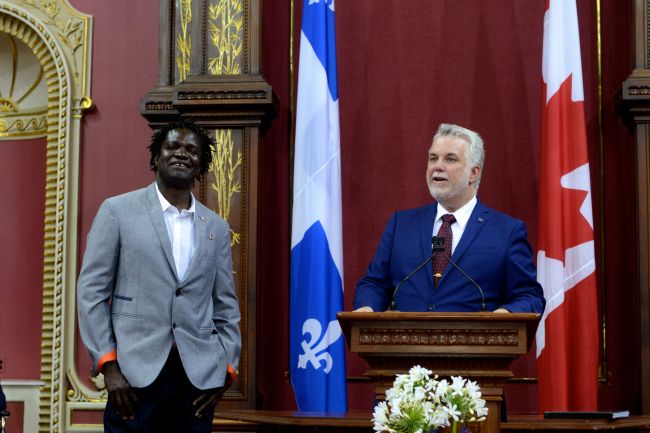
(165, 406)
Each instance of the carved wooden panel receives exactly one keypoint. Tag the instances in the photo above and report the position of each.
(634, 104)
(208, 70)
(460, 337)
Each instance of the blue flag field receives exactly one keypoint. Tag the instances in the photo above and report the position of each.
(316, 344)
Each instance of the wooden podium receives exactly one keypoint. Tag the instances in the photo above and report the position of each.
(477, 346)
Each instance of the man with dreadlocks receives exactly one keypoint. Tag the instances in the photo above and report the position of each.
(158, 311)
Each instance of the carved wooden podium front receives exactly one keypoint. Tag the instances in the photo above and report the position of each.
(477, 346)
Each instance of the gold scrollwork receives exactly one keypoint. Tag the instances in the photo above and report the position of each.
(184, 40)
(76, 391)
(35, 125)
(225, 165)
(225, 23)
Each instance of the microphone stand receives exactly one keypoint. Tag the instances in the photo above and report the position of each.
(437, 245)
(471, 280)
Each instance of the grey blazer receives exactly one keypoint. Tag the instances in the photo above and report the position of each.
(130, 300)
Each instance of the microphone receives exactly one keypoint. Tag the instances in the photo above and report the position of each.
(471, 280)
(437, 245)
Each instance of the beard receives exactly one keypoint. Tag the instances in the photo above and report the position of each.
(452, 190)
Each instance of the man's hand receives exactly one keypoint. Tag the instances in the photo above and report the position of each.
(119, 390)
(501, 310)
(207, 401)
(363, 310)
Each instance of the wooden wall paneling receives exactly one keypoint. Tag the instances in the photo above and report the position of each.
(208, 70)
(635, 109)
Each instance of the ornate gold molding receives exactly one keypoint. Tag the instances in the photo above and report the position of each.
(71, 29)
(79, 393)
(23, 125)
(23, 91)
(53, 30)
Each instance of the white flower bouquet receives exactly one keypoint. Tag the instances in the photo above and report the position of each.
(419, 403)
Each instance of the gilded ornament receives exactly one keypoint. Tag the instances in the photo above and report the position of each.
(225, 167)
(184, 40)
(225, 24)
(22, 90)
(58, 37)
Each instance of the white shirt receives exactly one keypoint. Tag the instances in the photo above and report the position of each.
(180, 228)
(462, 217)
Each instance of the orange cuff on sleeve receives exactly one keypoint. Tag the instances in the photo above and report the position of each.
(231, 375)
(110, 356)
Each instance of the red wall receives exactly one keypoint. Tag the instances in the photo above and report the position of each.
(17, 419)
(22, 188)
(275, 392)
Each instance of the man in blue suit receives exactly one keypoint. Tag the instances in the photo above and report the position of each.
(491, 247)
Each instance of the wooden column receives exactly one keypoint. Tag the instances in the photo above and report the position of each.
(635, 109)
(208, 70)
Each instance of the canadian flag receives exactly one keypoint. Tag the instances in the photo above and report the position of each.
(567, 336)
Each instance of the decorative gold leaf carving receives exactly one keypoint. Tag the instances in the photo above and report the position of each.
(225, 24)
(184, 40)
(225, 166)
(71, 30)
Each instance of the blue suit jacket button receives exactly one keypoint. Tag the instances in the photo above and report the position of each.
(432, 307)
(178, 292)
(173, 326)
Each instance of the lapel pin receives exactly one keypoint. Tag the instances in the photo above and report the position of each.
(480, 219)
(211, 236)
(202, 218)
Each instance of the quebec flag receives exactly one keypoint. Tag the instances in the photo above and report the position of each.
(316, 344)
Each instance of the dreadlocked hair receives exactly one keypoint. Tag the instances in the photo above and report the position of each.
(160, 135)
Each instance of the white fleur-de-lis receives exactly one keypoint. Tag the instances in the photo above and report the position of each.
(329, 3)
(315, 346)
